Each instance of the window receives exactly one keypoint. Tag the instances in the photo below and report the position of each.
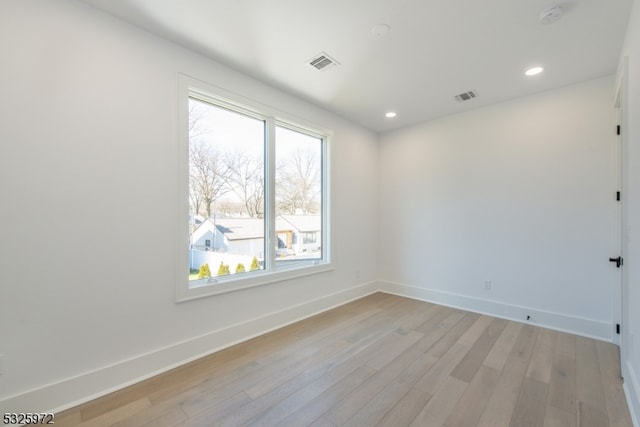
(309, 238)
(254, 180)
(298, 192)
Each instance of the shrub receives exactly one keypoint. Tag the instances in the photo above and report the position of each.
(204, 271)
(240, 268)
(255, 265)
(223, 270)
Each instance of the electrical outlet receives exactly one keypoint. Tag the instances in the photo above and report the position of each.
(487, 285)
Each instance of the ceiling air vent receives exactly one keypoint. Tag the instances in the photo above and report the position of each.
(466, 96)
(322, 62)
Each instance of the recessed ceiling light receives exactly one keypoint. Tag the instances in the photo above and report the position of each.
(390, 114)
(533, 71)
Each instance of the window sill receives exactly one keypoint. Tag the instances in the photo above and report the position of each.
(255, 279)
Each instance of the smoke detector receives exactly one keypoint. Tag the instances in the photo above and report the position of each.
(380, 30)
(551, 15)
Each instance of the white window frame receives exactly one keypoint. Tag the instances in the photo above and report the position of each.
(188, 290)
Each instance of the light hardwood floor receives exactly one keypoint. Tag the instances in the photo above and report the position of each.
(383, 361)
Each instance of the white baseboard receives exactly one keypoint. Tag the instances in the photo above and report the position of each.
(632, 391)
(73, 391)
(561, 322)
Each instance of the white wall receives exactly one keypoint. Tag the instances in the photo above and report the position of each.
(631, 200)
(519, 194)
(89, 177)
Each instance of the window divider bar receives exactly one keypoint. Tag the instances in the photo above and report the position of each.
(270, 198)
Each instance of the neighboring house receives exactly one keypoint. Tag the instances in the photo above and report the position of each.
(203, 236)
(296, 234)
(306, 235)
(240, 236)
(227, 240)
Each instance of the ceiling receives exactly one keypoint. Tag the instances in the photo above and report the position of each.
(434, 49)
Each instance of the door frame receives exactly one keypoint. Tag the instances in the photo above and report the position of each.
(620, 280)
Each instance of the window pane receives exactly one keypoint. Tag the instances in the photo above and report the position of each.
(298, 196)
(226, 191)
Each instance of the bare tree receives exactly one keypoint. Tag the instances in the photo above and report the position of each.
(195, 198)
(197, 112)
(247, 182)
(298, 183)
(208, 177)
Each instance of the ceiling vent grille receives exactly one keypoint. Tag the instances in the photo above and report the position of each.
(322, 62)
(466, 96)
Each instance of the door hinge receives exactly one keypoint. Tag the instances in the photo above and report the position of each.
(618, 130)
(617, 196)
(618, 328)
(619, 261)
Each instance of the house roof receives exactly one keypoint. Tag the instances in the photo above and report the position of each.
(241, 228)
(204, 227)
(304, 223)
(253, 228)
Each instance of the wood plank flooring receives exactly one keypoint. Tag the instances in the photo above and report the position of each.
(383, 361)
